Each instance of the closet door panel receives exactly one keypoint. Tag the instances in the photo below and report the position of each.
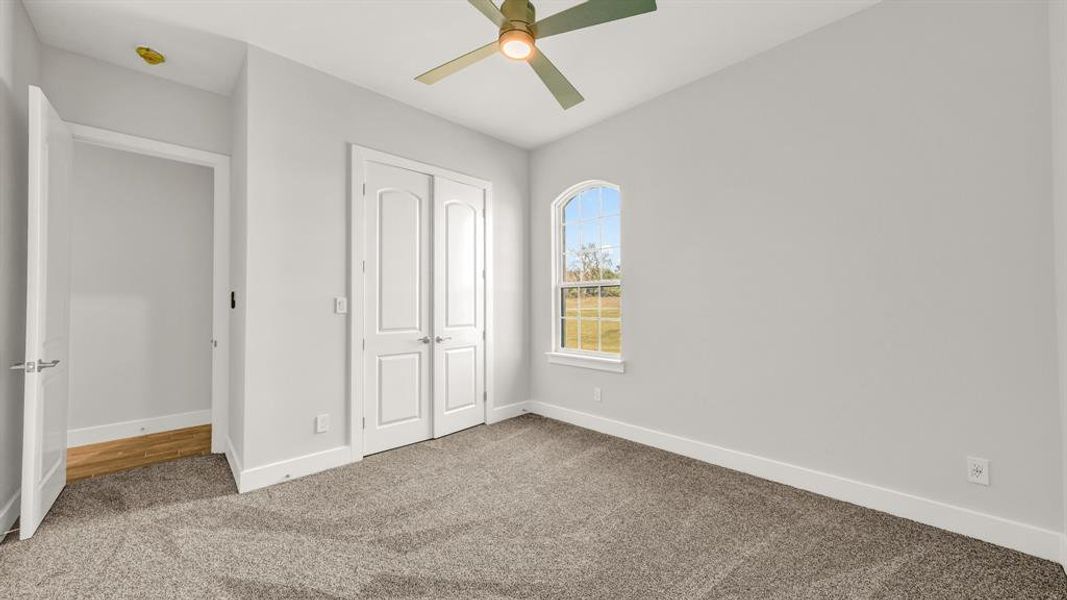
(459, 306)
(397, 358)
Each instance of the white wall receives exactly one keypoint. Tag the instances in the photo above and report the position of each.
(838, 254)
(19, 67)
(1058, 69)
(300, 123)
(140, 323)
(92, 92)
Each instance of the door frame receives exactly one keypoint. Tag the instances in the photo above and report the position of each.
(220, 309)
(359, 155)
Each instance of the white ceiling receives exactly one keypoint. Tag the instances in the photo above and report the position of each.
(383, 44)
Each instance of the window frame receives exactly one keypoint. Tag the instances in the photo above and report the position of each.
(576, 357)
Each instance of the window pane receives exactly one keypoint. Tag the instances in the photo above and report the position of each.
(609, 201)
(569, 302)
(590, 265)
(570, 211)
(610, 231)
(569, 333)
(570, 238)
(572, 267)
(611, 336)
(611, 302)
(590, 334)
(610, 262)
(590, 302)
(590, 203)
(589, 234)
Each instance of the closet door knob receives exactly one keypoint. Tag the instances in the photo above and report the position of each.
(424, 339)
(440, 339)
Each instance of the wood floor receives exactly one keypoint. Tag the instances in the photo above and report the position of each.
(129, 453)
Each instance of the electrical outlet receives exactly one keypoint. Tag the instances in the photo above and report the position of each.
(340, 305)
(322, 423)
(596, 394)
(978, 470)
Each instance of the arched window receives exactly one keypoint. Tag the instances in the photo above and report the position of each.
(587, 271)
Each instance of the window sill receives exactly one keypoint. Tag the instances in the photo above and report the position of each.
(599, 363)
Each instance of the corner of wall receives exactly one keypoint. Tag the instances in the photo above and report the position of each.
(238, 266)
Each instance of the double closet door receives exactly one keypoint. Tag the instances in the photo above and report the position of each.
(423, 366)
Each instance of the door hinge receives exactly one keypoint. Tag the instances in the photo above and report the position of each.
(364, 188)
(485, 396)
(364, 343)
(364, 422)
(364, 267)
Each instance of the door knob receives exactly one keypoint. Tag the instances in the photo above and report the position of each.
(424, 339)
(33, 367)
(440, 339)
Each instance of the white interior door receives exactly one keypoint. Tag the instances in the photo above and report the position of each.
(459, 306)
(396, 360)
(44, 441)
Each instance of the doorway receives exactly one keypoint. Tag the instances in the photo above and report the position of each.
(217, 286)
(47, 365)
(419, 325)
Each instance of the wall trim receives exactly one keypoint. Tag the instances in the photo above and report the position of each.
(293, 468)
(1063, 552)
(9, 513)
(127, 429)
(1029, 539)
(505, 412)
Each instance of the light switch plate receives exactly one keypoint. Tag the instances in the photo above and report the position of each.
(322, 423)
(340, 305)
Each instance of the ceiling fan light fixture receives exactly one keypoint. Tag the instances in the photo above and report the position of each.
(516, 44)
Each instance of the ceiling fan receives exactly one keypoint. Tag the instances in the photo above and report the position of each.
(519, 31)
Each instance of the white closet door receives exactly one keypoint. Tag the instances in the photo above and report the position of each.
(396, 389)
(459, 306)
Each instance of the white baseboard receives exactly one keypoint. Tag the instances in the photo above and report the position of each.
(294, 468)
(9, 512)
(1036, 541)
(1063, 552)
(503, 413)
(127, 429)
(234, 460)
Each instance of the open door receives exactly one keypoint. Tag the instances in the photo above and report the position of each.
(459, 306)
(44, 435)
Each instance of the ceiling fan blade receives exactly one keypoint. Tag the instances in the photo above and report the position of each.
(438, 73)
(489, 9)
(556, 83)
(592, 12)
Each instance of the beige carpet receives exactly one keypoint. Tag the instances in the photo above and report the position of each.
(528, 508)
